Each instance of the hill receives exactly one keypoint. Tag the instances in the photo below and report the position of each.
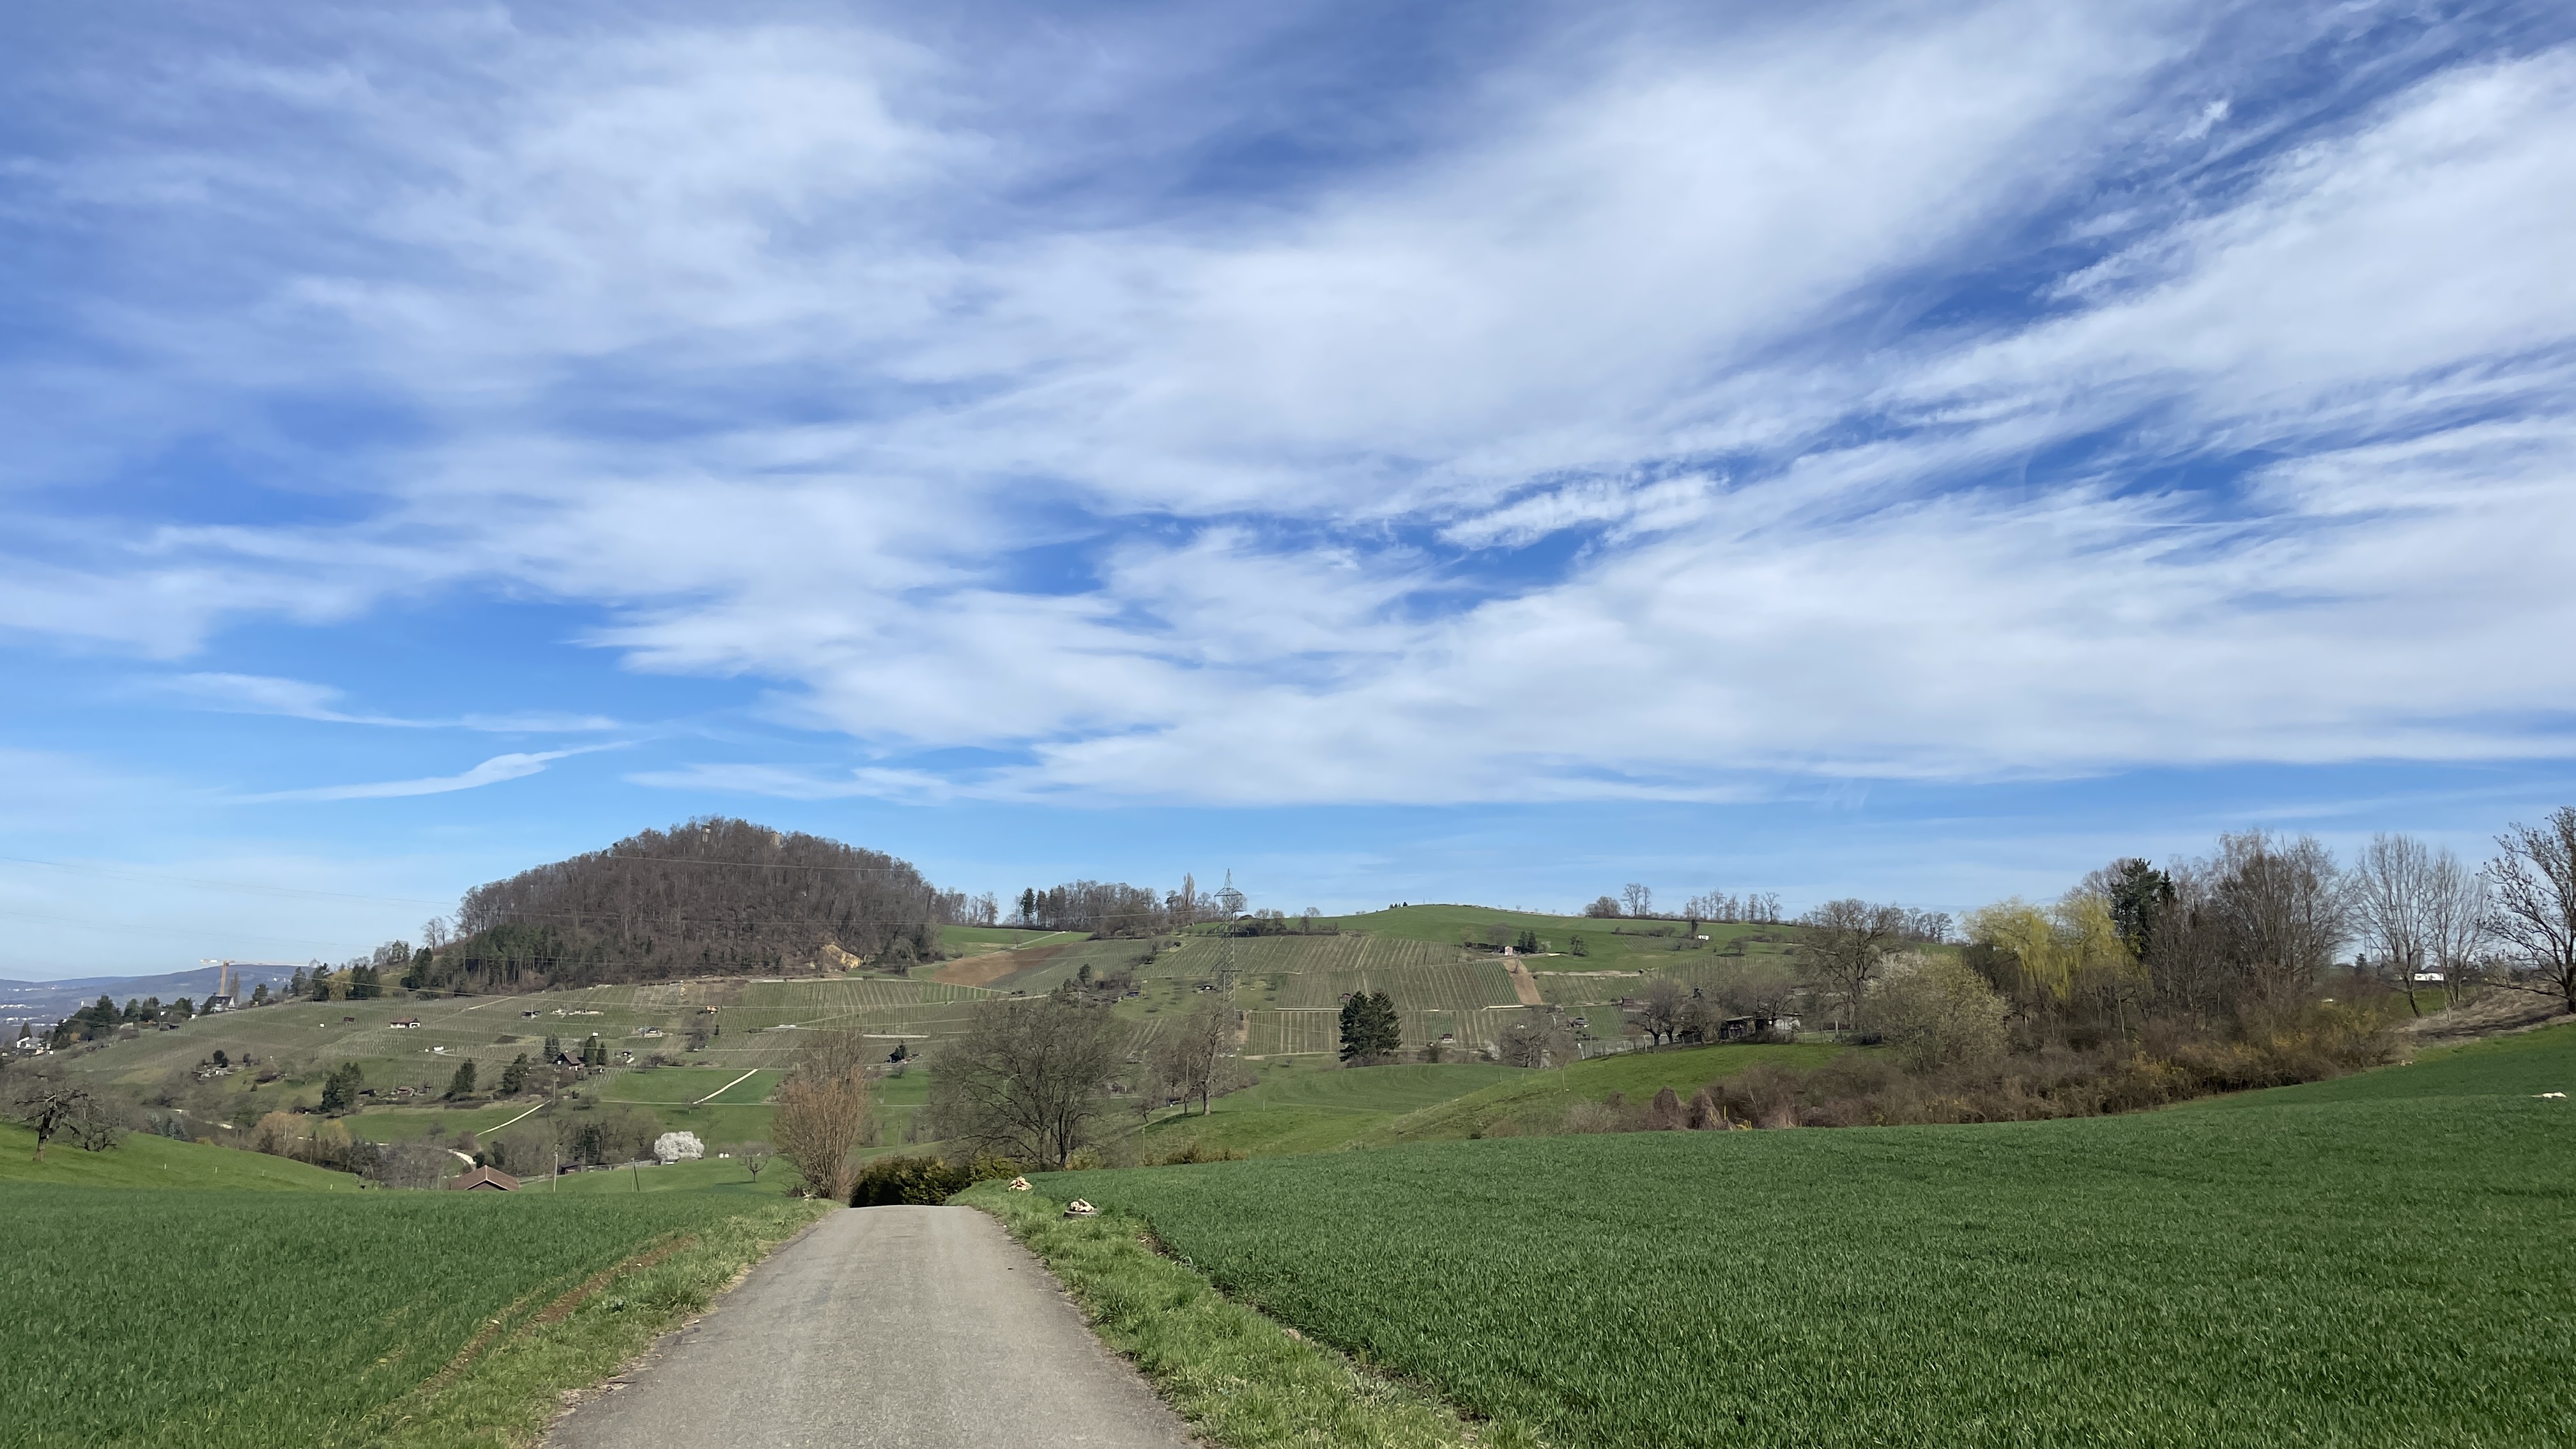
(712, 897)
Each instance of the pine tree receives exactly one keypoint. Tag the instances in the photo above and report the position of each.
(554, 1048)
(462, 1084)
(340, 1089)
(1370, 1027)
(514, 1077)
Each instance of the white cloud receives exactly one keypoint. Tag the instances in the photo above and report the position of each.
(880, 381)
(491, 772)
(302, 699)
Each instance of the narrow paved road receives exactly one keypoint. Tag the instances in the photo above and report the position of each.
(925, 1327)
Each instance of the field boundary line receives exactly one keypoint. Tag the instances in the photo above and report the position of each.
(727, 1087)
(532, 1111)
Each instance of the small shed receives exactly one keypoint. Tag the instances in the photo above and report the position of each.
(485, 1179)
(404, 1023)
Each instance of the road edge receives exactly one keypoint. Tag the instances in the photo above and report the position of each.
(1241, 1379)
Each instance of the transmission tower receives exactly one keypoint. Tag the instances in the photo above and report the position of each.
(1230, 901)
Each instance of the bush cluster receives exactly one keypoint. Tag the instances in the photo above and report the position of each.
(926, 1179)
(1875, 1089)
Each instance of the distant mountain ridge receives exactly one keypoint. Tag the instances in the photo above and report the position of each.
(47, 1001)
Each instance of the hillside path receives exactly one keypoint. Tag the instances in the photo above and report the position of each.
(925, 1327)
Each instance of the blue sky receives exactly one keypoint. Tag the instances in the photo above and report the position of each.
(1484, 452)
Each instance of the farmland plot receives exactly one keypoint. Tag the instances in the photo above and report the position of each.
(308, 1318)
(2251, 1277)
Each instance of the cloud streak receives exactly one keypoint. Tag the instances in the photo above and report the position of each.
(494, 771)
(2014, 391)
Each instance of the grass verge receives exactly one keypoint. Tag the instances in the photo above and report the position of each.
(1239, 1378)
(506, 1393)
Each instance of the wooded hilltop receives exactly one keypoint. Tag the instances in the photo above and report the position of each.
(712, 897)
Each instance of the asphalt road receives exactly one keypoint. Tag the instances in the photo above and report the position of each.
(924, 1327)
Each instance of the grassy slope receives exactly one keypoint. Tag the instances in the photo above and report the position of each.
(216, 1319)
(146, 1161)
(1318, 1109)
(2252, 1276)
(2510, 1066)
(1534, 1103)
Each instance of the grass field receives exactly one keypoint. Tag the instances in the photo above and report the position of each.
(141, 1160)
(1318, 1109)
(1534, 1103)
(2375, 1261)
(214, 1319)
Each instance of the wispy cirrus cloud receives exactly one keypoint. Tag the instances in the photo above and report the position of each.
(494, 771)
(2090, 388)
(303, 699)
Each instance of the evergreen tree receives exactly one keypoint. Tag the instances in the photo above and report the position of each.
(295, 983)
(259, 994)
(318, 985)
(462, 1084)
(340, 1089)
(514, 1077)
(1370, 1027)
(594, 1052)
(554, 1048)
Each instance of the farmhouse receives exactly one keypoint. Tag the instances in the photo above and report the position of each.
(485, 1179)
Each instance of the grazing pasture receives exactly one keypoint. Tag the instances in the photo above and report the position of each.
(2375, 1261)
(218, 1319)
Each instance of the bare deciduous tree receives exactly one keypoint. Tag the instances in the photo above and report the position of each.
(822, 1111)
(2534, 880)
(1538, 1038)
(1026, 1078)
(1846, 941)
(2393, 893)
(1636, 898)
(1194, 1057)
(55, 1106)
(1665, 1001)
(2456, 924)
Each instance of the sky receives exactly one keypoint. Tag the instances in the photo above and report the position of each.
(1486, 452)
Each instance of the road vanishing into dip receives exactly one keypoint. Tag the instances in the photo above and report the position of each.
(922, 1327)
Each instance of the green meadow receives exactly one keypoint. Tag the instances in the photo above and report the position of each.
(2373, 1261)
(209, 1317)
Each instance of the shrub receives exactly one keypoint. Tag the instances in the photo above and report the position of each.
(1197, 1149)
(926, 1180)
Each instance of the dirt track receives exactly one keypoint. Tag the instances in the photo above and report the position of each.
(923, 1327)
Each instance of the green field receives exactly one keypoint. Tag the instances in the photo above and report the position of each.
(2375, 1261)
(142, 1160)
(209, 1318)
(1534, 1103)
(1318, 1109)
